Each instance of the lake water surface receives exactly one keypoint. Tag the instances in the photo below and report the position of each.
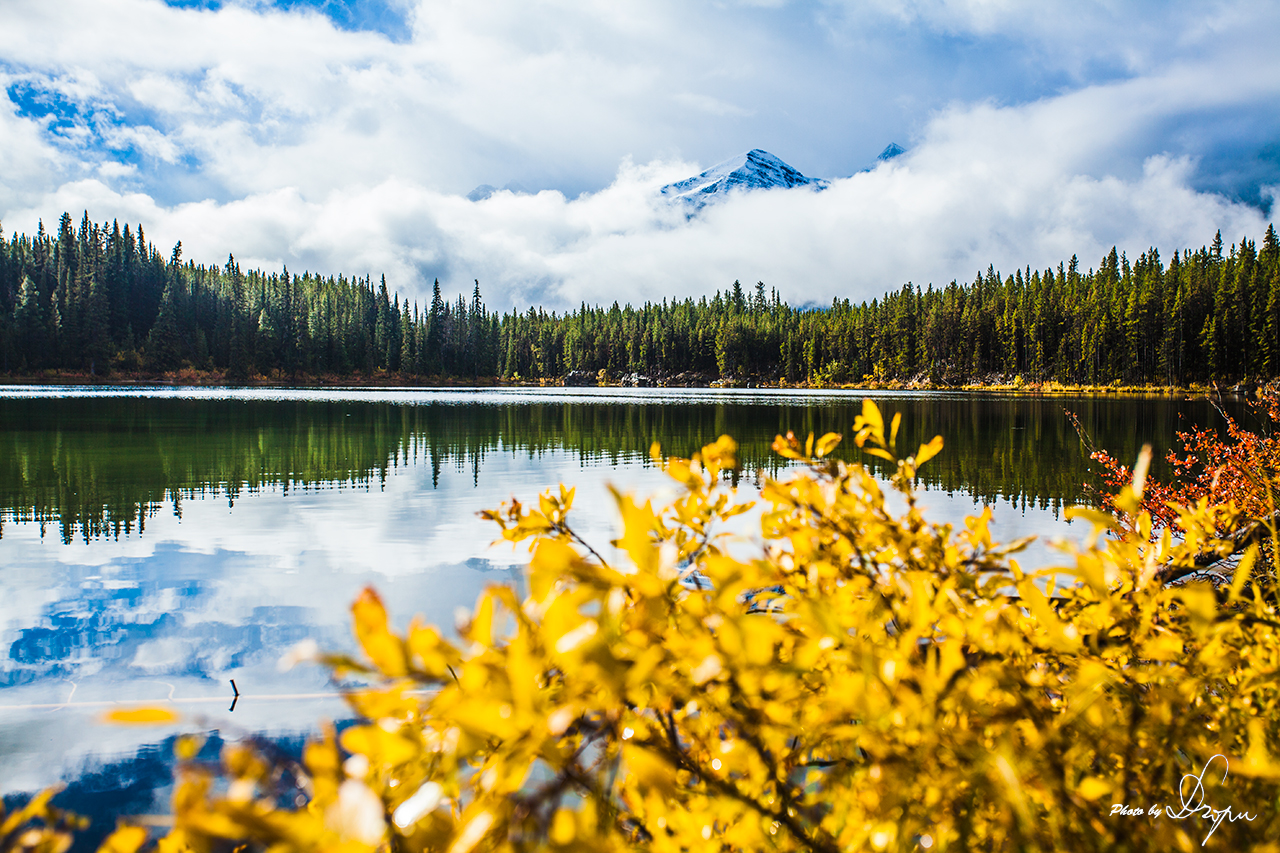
(157, 542)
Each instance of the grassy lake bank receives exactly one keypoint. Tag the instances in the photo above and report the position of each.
(384, 379)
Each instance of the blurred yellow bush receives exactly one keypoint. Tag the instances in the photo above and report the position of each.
(865, 680)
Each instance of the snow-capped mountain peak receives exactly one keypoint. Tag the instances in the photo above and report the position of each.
(891, 150)
(754, 170)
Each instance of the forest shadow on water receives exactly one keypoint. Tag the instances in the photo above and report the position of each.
(94, 466)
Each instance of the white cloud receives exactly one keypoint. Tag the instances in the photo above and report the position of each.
(111, 170)
(28, 165)
(710, 105)
(986, 184)
(1072, 31)
(347, 153)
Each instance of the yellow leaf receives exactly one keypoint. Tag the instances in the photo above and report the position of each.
(637, 539)
(872, 418)
(187, 748)
(481, 628)
(1092, 787)
(710, 667)
(787, 447)
(177, 841)
(551, 561)
(1200, 601)
(563, 827)
(928, 451)
(1140, 470)
(645, 665)
(1243, 570)
(575, 637)
(1164, 647)
(431, 651)
(383, 648)
(721, 455)
(827, 443)
(472, 833)
(381, 747)
(126, 839)
(143, 716)
(1258, 762)
(649, 770)
(1127, 500)
(1099, 519)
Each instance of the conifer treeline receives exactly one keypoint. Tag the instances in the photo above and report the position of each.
(99, 297)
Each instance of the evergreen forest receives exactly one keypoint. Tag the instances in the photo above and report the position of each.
(102, 299)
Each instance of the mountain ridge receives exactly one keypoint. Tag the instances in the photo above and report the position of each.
(752, 170)
(756, 169)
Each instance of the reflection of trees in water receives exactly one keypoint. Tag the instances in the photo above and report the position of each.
(1021, 449)
(1025, 450)
(99, 467)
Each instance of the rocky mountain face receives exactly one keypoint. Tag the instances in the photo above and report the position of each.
(890, 151)
(755, 170)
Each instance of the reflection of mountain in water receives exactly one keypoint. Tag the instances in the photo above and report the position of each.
(106, 790)
(101, 466)
(144, 624)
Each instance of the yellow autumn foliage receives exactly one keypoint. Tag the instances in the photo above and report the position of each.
(38, 827)
(862, 680)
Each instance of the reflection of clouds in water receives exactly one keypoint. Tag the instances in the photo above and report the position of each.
(310, 551)
(1009, 523)
(223, 591)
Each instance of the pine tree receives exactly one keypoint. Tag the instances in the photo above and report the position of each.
(477, 326)
(382, 337)
(407, 362)
(434, 358)
(30, 327)
(239, 345)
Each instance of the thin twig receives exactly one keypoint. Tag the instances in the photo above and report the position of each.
(573, 534)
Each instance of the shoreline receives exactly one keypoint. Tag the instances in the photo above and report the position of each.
(216, 379)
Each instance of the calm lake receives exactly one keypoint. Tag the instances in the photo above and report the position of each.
(157, 542)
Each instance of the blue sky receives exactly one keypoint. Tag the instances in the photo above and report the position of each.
(343, 135)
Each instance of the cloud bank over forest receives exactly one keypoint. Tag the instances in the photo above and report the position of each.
(347, 143)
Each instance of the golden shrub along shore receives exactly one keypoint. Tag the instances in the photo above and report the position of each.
(863, 680)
